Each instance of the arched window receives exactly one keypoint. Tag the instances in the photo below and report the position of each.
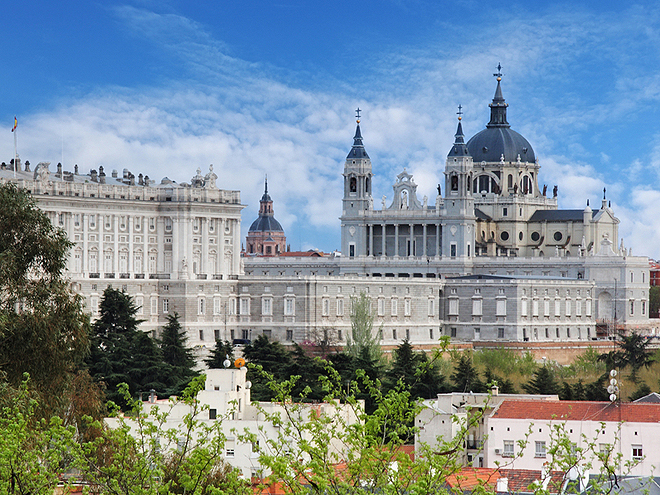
(367, 186)
(454, 182)
(510, 181)
(353, 185)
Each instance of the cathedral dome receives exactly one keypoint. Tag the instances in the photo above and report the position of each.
(498, 139)
(490, 144)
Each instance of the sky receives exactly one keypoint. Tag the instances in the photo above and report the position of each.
(270, 87)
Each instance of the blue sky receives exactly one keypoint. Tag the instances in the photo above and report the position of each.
(270, 87)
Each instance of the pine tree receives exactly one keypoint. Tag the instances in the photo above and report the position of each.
(221, 352)
(176, 355)
(116, 343)
(414, 370)
(542, 383)
(465, 375)
(273, 357)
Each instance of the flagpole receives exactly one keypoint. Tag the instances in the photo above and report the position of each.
(15, 153)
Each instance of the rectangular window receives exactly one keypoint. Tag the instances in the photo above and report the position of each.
(216, 334)
(154, 306)
(325, 307)
(557, 308)
(546, 307)
(431, 333)
(507, 451)
(213, 413)
(452, 331)
(407, 307)
(166, 305)
(578, 307)
(539, 450)
(500, 309)
(637, 452)
(453, 307)
(340, 307)
(139, 302)
(535, 307)
(500, 333)
(216, 305)
(477, 305)
(395, 306)
(632, 308)
(568, 307)
(267, 306)
(201, 306)
(230, 447)
(201, 335)
(289, 306)
(394, 334)
(381, 306)
(245, 306)
(523, 306)
(232, 306)
(431, 307)
(289, 335)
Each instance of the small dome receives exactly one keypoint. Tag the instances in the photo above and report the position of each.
(490, 144)
(266, 224)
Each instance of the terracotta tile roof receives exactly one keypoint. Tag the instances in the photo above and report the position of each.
(519, 480)
(578, 411)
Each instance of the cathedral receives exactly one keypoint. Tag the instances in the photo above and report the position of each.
(492, 257)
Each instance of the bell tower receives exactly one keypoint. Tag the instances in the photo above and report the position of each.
(357, 201)
(458, 222)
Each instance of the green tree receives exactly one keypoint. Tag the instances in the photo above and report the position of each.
(273, 358)
(654, 302)
(465, 375)
(641, 391)
(543, 382)
(635, 353)
(43, 328)
(121, 353)
(221, 352)
(176, 355)
(362, 342)
(420, 376)
(504, 385)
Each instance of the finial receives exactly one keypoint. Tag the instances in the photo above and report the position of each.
(460, 112)
(357, 114)
(498, 74)
(266, 184)
(604, 190)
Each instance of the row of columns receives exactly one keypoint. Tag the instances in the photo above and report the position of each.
(182, 245)
(396, 239)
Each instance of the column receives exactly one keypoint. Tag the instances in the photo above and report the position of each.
(160, 238)
(85, 262)
(424, 239)
(176, 240)
(115, 246)
(236, 248)
(371, 240)
(437, 240)
(383, 231)
(131, 254)
(412, 239)
(203, 262)
(221, 248)
(100, 262)
(396, 239)
(145, 240)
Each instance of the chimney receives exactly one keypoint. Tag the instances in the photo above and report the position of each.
(152, 396)
(93, 175)
(114, 173)
(494, 390)
(502, 485)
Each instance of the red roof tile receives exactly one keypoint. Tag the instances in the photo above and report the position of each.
(519, 480)
(579, 411)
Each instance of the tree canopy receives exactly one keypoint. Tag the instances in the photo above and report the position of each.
(43, 328)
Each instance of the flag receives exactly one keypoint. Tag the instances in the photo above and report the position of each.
(15, 124)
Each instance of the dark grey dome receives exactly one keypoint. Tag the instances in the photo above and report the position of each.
(266, 224)
(491, 143)
(497, 138)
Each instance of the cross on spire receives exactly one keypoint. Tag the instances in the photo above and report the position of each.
(498, 74)
(357, 114)
(460, 112)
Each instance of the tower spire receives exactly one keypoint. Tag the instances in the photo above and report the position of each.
(498, 106)
(357, 151)
(459, 148)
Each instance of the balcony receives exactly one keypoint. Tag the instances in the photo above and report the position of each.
(159, 276)
(94, 275)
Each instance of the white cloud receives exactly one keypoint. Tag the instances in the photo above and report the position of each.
(250, 119)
